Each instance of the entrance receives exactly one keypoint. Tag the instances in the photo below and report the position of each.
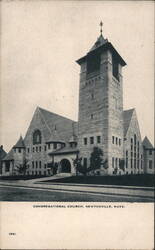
(65, 166)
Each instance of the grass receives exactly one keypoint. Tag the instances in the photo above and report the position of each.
(20, 177)
(145, 180)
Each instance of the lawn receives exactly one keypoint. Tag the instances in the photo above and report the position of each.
(124, 180)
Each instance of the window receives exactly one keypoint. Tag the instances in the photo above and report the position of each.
(131, 163)
(45, 148)
(92, 96)
(93, 62)
(115, 68)
(91, 140)
(126, 159)
(36, 137)
(14, 149)
(40, 164)
(135, 139)
(44, 165)
(33, 149)
(150, 164)
(85, 141)
(98, 139)
(40, 148)
(32, 173)
(141, 161)
(28, 150)
(116, 162)
(119, 142)
(85, 162)
(36, 149)
(7, 166)
(113, 162)
(44, 172)
(19, 150)
(92, 116)
(32, 164)
(36, 164)
(150, 151)
(116, 140)
(113, 139)
(49, 146)
(55, 146)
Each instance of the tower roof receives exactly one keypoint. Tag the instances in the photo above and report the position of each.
(99, 42)
(20, 143)
(9, 156)
(146, 143)
(2, 153)
(100, 45)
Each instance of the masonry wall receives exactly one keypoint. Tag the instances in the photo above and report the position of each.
(98, 114)
(134, 162)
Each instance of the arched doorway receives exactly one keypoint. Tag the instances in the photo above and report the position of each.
(65, 166)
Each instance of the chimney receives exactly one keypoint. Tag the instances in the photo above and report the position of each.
(1, 147)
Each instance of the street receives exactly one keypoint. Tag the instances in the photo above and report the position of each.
(20, 193)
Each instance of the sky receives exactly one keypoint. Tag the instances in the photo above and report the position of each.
(40, 42)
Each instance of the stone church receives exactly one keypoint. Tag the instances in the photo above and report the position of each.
(54, 140)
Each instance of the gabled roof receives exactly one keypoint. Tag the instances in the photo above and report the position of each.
(146, 143)
(57, 127)
(9, 156)
(20, 143)
(127, 115)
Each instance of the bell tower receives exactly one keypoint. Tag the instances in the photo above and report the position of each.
(101, 103)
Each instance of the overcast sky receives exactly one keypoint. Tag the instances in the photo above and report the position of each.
(40, 42)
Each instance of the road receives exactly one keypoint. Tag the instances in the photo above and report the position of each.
(20, 193)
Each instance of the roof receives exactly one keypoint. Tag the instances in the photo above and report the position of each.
(65, 150)
(55, 138)
(9, 156)
(100, 41)
(57, 127)
(101, 45)
(146, 143)
(2, 153)
(127, 115)
(73, 138)
(20, 143)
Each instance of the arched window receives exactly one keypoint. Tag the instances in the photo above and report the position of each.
(37, 137)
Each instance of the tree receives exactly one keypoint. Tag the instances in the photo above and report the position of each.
(21, 168)
(77, 162)
(96, 160)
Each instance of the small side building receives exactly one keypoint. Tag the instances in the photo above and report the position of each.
(149, 155)
(2, 156)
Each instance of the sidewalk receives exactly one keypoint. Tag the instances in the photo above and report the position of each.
(84, 188)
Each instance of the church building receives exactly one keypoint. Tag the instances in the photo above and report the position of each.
(52, 142)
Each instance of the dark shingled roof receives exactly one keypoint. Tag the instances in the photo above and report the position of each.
(100, 41)
(55, 138)
(146, 143)
(9, 156)
(127, 115)
(2, 153)
(64, 126)
(101, 45)
(20, 143)
(65, 150)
